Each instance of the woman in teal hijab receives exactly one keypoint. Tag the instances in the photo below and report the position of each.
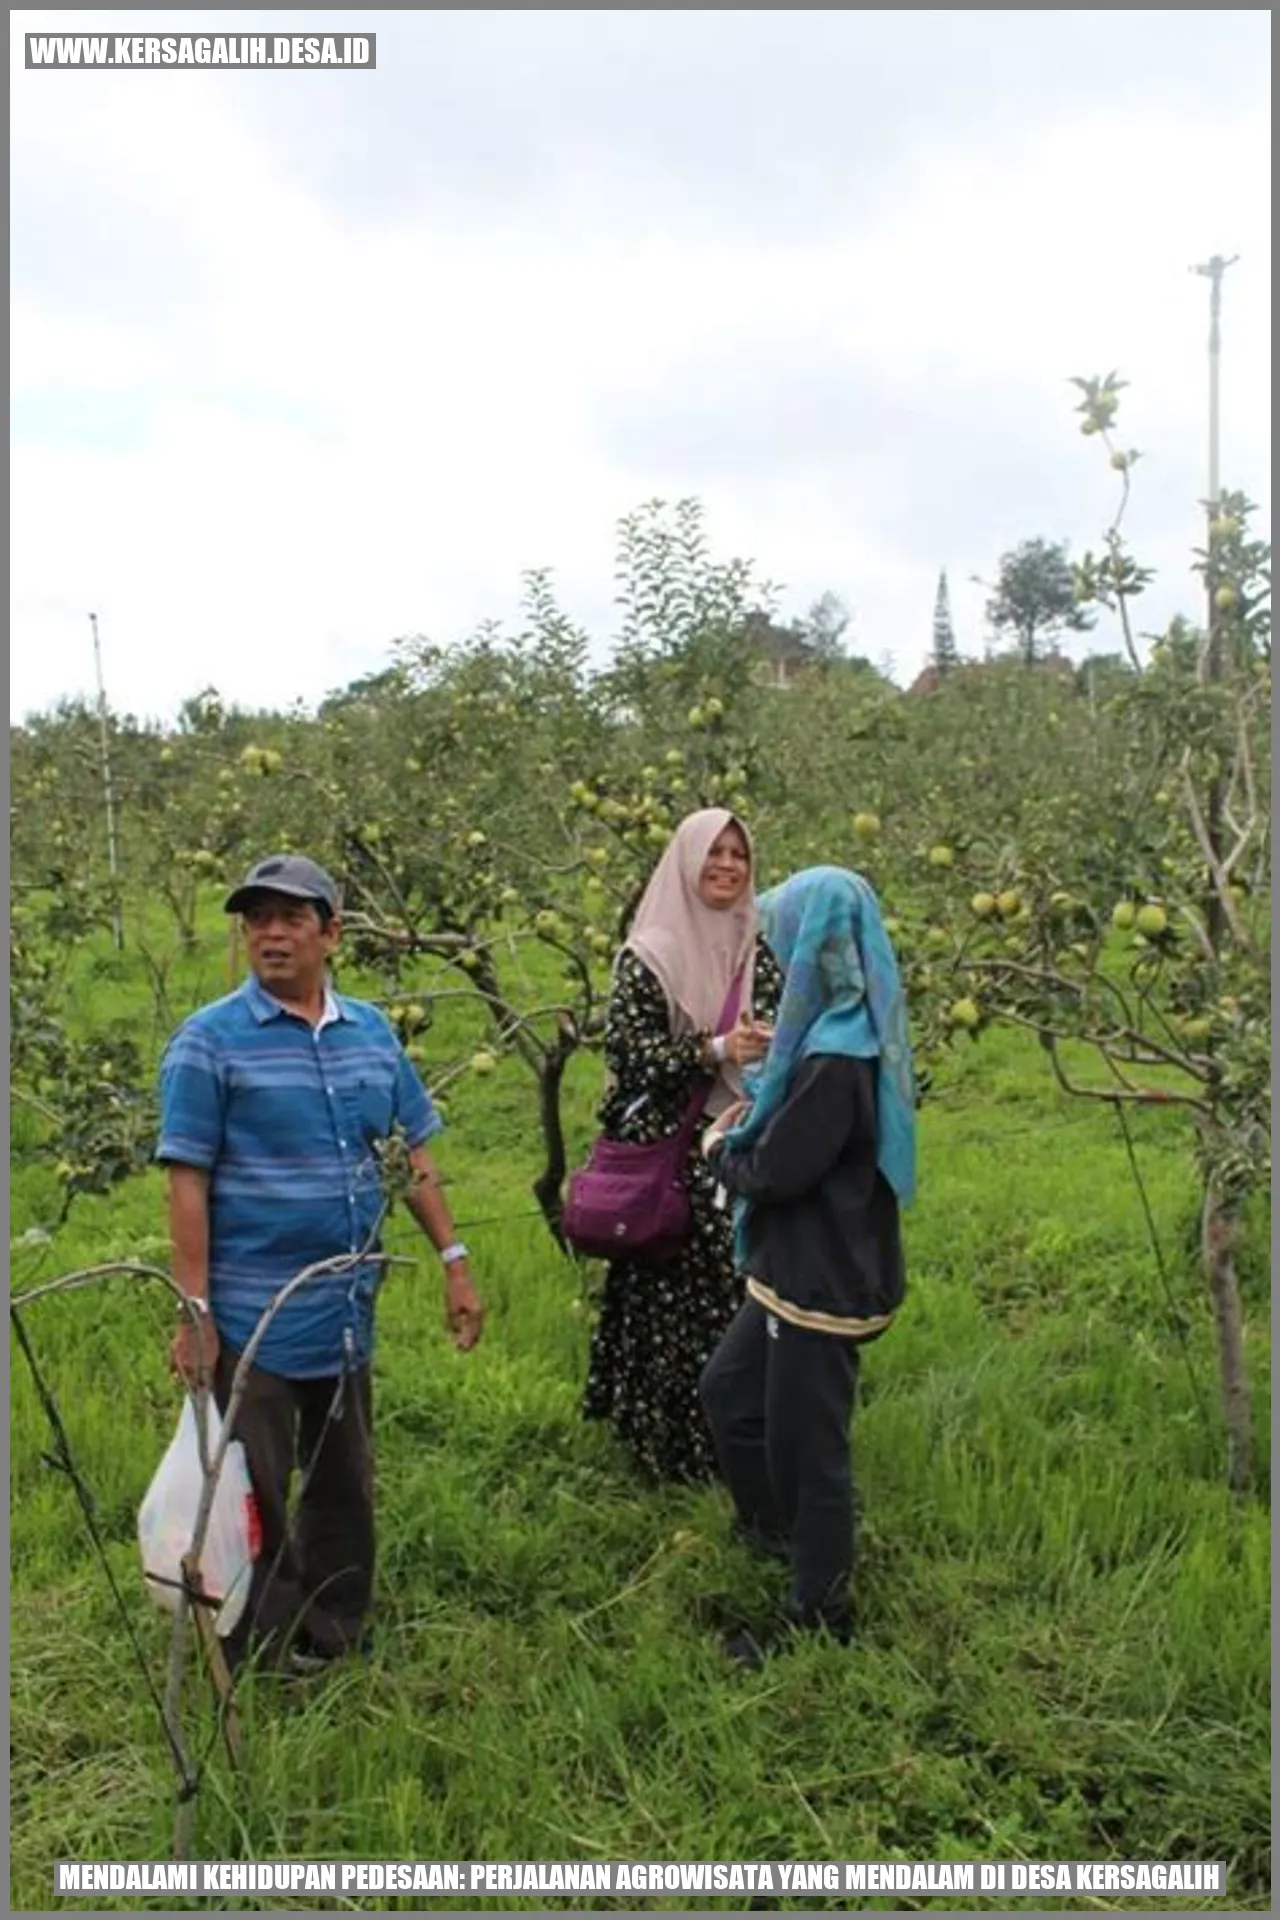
(818, 1164)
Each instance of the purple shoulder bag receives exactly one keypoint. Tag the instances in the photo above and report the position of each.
(629, 1201)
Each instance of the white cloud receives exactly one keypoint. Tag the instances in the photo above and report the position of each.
(352, 431)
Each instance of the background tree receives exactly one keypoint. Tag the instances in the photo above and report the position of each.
(1035, 598)
(945, 653)
(824, 627)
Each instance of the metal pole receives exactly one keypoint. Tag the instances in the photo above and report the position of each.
(108, 792)
(1212, 270)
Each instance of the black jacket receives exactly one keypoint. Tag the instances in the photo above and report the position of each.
(823, 1235)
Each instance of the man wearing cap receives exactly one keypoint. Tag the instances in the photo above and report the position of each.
(272, 1100)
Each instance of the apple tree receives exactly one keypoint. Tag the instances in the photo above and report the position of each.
(1138, 921)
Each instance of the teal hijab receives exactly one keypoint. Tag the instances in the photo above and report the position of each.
(841, 994)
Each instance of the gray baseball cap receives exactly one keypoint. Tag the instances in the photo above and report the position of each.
(290, 873)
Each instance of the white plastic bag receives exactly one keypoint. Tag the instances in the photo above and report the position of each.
(167, 1520)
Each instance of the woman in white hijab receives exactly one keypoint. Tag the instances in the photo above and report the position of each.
(693, 958)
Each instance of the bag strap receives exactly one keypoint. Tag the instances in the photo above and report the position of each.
(728, 1015)
(733, 1001)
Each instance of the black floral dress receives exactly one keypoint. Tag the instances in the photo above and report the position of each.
(658, 1324)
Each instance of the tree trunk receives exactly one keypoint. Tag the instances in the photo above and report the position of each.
(547, 1186)
(1220, 1228)
(182, 905)
(549, 1065)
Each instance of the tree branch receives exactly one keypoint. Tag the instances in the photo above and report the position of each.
(1117, 1096)
(1218, 869)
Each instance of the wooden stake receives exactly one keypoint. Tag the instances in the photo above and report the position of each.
(219, 1671)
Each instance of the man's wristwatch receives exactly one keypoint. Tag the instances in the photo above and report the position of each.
(450, 1256)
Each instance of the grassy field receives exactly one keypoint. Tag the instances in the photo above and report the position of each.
(1063, 1619)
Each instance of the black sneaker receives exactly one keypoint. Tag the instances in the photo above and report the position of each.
(751, 1649)
(745, 1650)
(306, 1660)
(839, 1624)
(306, 1657)
(766, 1544)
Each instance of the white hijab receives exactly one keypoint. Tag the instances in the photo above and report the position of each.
(695, 950)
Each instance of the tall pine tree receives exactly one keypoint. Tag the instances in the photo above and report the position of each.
(945, 653)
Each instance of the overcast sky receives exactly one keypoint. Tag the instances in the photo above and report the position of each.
(302, 362)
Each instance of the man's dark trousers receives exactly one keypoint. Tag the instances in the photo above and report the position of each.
(312, 1582)
(779, 1400)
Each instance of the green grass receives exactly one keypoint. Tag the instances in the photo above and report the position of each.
(1063, 1644)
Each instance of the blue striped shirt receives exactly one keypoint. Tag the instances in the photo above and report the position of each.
(283, 1116)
